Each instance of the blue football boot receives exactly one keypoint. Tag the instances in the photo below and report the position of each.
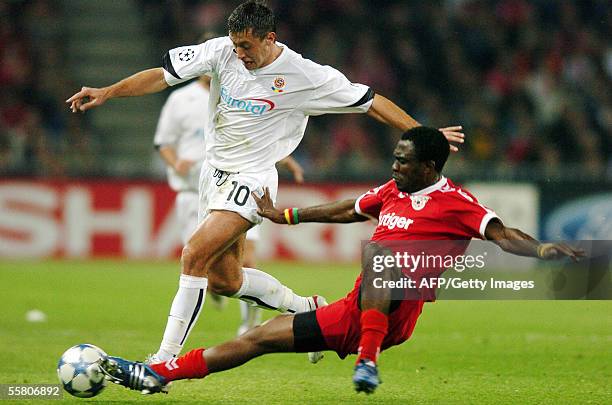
(365, 377)
(134, 375)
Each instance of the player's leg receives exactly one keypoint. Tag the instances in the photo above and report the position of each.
(215, 250)
(228, 277)
(219, 301)
(193, 283)
(375, 304)
(190, 296)
(261, 290)
(286, 333)
(276, 335)
(189, 299)
(230, 195)
(328, 328)
(273, 337)
(250, 315)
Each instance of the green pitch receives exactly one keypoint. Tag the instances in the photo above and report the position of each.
(461, 351)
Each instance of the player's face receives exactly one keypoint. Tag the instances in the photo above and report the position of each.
(253, 51)
(409, 173)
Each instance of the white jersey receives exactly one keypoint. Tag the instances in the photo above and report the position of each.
(259, 116)
(182, 125)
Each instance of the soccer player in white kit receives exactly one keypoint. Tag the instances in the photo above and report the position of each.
(180, 139)
(262, 94)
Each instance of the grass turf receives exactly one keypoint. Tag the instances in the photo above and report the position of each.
(461, 351)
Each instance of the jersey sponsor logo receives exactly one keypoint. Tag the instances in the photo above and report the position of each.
(255, 106)
(392, 221)
(419, 201)
(278, 85)
(186, 55)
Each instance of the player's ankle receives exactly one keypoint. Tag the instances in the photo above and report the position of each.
(160, 368)
(190, 365)
(366, 358)
(163, 355)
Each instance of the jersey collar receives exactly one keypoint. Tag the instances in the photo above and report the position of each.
(434, 187)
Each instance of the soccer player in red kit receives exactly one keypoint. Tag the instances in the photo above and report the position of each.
(418, 204)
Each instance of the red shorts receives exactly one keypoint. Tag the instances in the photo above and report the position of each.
(338, 326)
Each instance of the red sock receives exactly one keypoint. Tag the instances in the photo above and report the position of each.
(191, 365)
(374, 326)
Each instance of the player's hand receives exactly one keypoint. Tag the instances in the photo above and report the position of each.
(453, 134)
(182, 167)
(87, 98)
(265, 207)
(555, 251)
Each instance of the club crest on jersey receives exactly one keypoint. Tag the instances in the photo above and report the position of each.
(278, 84)
(419, 201)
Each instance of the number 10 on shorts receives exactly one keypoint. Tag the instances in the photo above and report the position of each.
(239, 193)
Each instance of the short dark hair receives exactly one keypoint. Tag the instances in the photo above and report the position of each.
(252, 15)
(429, 144)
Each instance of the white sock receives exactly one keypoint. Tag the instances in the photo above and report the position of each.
(184, 313)
(267, 292)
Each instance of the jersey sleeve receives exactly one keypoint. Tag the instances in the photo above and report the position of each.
(334, 93)
(168, 129)
(186, 62)
(470, 215)
(370, 203)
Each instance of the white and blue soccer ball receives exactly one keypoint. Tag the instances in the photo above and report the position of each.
(79, 370)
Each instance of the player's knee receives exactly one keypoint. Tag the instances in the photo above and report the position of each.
(225, 275)
(264, 342)
(223, 285)
(192, 261)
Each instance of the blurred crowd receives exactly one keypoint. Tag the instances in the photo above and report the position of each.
(530, 81)
(37, 137)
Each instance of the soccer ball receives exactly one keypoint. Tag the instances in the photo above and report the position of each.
(79, 370)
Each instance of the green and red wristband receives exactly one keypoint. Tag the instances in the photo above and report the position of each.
(291, 216)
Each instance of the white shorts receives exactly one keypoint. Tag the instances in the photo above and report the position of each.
(186, 206)
(221, 190)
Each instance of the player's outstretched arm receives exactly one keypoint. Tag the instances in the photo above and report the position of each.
(336, 212)
(519, 243)
(144, 82)
(389, 113)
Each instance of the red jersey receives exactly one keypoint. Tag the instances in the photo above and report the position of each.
(441, 211)
(407, 222)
